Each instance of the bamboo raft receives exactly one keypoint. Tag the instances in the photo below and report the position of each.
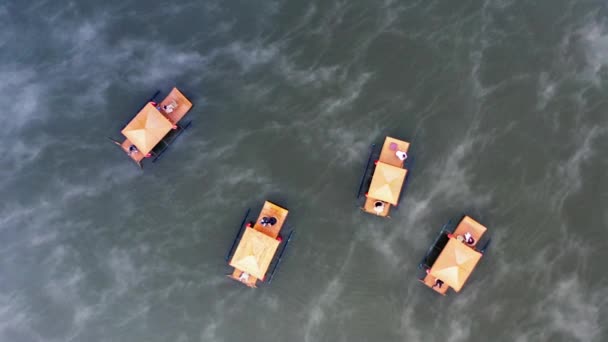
(148, 134)
(388, 177)
(258, 245)
(453, 256)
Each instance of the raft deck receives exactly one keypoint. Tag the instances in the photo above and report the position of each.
(136, 156)
(271, 210)
(182, 107)
(387, 154)
(268, 210)
(251, 281)
(451, 258)
(469, 225)
(429, 281)
(369, 207)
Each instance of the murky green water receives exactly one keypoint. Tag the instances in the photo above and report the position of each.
(504, 103)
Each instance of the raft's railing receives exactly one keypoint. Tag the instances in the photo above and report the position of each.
(408, 167)
(280, 256)
(445, 228)
(170, 141)
(369, 159)
(485, 246)
(238, 234)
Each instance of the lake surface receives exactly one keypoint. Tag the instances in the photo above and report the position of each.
(504, 103)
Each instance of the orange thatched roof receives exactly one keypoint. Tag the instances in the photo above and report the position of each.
(254, 253)
(455, 264)
(147, 128)
(387, 182)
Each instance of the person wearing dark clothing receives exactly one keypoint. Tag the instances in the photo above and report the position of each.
(268, 221)
(132, 149)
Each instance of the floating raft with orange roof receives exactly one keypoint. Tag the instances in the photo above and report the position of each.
(388, 175)
(454, 255)
(257, 246)
(148, 134)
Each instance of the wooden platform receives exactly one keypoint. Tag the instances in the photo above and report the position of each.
(429, 281)
(369, 207)
(251, 280)
(469, 225)
(453, 261)
(268, 210)
(136, 156)
(271, 210)
(387, 155)
(183, 106)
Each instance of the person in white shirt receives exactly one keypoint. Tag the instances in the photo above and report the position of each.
(379, 207)
(132, 149)
(468, 238)
(170, 107)
(401, 155)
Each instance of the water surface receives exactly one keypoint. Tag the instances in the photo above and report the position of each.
(504, 103)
